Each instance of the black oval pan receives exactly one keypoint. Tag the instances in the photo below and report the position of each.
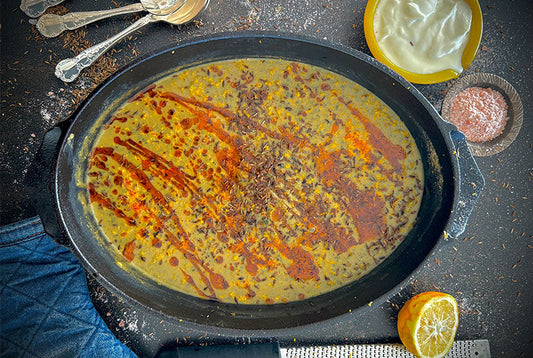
(452, 184)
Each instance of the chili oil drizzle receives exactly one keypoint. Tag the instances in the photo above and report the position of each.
(255, 186)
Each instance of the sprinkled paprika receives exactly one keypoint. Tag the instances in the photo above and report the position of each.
(267, 181)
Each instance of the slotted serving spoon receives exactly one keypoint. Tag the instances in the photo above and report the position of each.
(51, 25)
(69, 69)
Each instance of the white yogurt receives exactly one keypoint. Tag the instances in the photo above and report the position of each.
(423, 36)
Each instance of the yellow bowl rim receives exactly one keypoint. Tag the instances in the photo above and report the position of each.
(469, 52)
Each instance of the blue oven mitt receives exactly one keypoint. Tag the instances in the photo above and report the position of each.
(45, 307)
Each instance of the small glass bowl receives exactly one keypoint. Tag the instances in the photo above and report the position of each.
(469, 52)
(514, 110)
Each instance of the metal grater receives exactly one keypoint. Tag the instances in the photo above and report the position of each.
(460, 349)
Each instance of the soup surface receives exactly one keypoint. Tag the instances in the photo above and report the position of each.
(254, 181)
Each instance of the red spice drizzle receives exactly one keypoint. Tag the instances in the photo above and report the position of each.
(395, 154)
(184, 245)
(149, 89)
(128, 250)
(365, 207)
(94, 196)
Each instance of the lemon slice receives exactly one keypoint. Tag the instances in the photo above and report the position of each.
(427, 324)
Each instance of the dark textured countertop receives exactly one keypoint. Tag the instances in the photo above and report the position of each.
(488, 269)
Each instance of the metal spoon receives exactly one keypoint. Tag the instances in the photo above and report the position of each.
(34, 8)
(69, 69)
(51, 25)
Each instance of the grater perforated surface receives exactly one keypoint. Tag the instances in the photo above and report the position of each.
(460, 349)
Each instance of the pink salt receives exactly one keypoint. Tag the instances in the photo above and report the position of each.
(480, 113)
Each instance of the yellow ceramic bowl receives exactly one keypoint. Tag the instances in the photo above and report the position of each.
(469, 53)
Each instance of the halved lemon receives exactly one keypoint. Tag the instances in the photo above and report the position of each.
(427, 324)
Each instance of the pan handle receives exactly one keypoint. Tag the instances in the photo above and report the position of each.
(39, 180)
(471, 184)
(264, 350)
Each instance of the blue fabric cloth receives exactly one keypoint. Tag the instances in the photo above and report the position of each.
(45, 307)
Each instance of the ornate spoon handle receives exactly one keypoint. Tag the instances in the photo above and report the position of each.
(69, 69)
(51, 25)
(34, 8)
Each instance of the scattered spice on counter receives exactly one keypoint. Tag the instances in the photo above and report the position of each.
(64, 102)
(480, 113)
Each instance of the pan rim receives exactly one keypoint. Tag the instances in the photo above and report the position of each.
(260, 35)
